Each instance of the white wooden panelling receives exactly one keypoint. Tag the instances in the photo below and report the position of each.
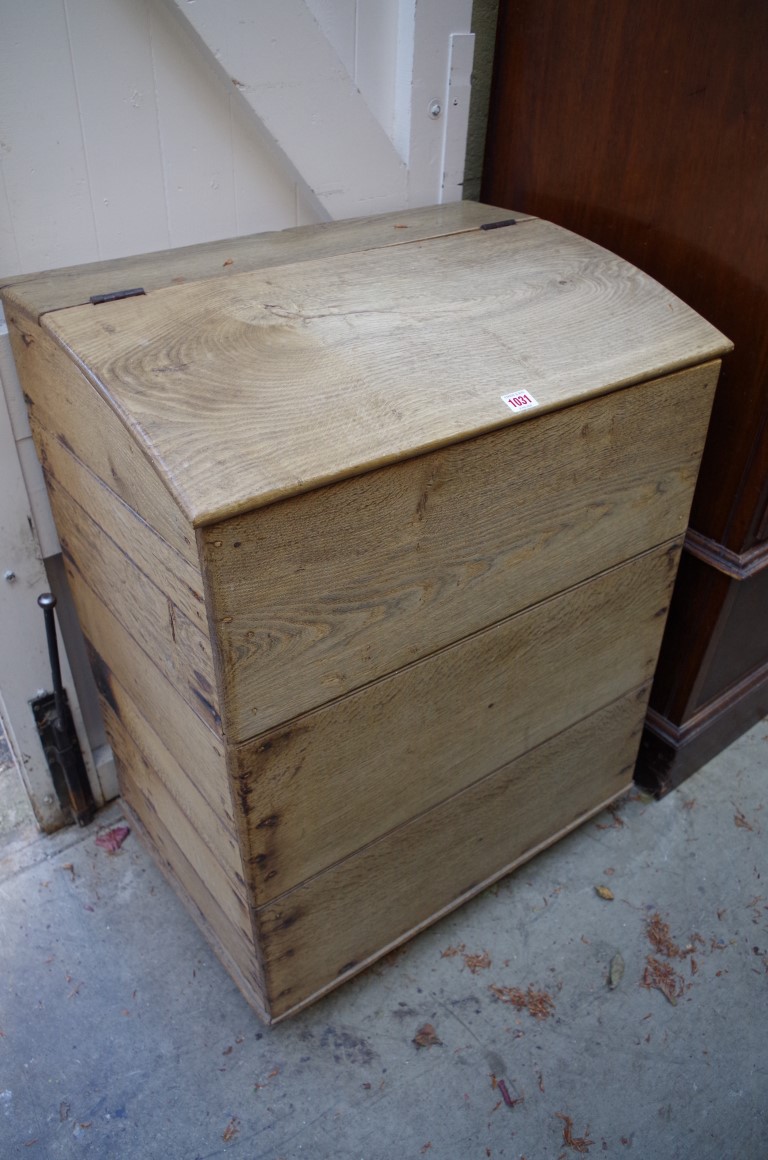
(288, 72)
(195, 134)
(265, 195)
(435, 21)
(112, 59)
(376, 44)
(31, 470)
(42, 156)
(365, 36)
(457, 98)
(119, 135)
(220, 178)
(9, 251)
(338, 20)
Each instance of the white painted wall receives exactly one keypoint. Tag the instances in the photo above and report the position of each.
(133, 125)
(136, 125)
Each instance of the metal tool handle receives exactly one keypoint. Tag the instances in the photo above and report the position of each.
(57, 732)
(47, 602)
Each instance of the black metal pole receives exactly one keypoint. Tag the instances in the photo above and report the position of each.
(67, 749)
(48, 602)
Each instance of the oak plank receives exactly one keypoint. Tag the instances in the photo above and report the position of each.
(171, 572)
(324, 785)
(217, 832)
(168, 638)
(37, 294)
(61, 400)
(333, 926)
(196, 747)
(322, 593)
(251, 388)
(139, 783)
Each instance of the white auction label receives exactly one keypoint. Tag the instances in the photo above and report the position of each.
(519, 401)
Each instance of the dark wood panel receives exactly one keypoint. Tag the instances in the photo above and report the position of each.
(739, 648)
(697, 614)
(668, 756)
(643, 127)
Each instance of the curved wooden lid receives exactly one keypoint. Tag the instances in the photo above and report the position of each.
(255, 386)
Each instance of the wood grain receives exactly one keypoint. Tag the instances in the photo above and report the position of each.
(252, 388)
(37, 294)
(216, 831)
(170, 641)
(426, 614)
(147, 793)
(171, 572)
(318, 595)
(324, 785)
(196, 747)
(61, 401)
(336, 924)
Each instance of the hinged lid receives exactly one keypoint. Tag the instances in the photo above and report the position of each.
(253, 386)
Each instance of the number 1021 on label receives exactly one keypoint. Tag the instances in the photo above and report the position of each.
(519, 401)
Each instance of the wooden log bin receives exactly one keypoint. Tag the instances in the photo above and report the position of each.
(371, 528)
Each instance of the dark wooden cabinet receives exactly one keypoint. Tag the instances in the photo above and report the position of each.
(644, 127)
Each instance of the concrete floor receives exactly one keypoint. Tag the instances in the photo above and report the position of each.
(121, 1036)
(15, 811)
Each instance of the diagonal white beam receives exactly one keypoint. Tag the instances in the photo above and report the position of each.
(281, 63)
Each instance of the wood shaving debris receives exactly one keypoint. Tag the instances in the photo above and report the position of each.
(539, 1004)
(426, 1036)
(575, 1143)
(662, 977)
(660, 939)
(231, 1130)
(477, 963)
